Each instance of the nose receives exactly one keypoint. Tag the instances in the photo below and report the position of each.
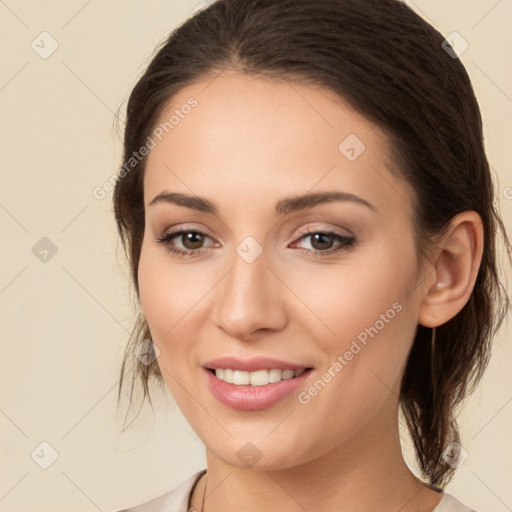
(250, 300)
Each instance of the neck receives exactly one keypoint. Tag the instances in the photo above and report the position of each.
(366, 472)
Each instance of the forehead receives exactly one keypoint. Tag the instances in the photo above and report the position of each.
(250, 137)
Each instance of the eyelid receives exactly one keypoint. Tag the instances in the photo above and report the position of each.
(324, 229)
(178, 227)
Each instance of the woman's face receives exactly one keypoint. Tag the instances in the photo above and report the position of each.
(340, 301)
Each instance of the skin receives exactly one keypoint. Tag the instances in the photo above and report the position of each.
(249, 143)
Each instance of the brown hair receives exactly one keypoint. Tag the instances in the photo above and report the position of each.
(390, 65)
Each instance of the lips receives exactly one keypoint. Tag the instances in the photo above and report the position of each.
(254, 397)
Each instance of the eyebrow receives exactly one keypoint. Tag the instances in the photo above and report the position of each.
(283, 207)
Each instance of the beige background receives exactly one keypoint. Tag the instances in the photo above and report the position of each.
(64, 322)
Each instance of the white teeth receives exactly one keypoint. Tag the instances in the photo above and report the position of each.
(288, 374)
(240, 378)
(274, 375)
(257, 378)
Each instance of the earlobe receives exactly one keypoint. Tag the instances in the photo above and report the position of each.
(456, 265)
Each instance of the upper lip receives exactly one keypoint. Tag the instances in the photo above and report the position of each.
(253, 364)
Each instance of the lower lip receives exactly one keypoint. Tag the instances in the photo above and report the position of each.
(253, 398)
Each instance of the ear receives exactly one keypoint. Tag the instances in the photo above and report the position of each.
(456, 262)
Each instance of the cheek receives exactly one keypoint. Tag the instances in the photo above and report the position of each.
(162, 307)
(163, 298)
(173, 298)
(155, 300)
(168, 293)
(364, 312)
(343, 299)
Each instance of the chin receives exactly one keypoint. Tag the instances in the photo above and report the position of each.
(255, 452)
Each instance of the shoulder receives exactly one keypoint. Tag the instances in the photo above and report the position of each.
(450, 503)
(175, 500)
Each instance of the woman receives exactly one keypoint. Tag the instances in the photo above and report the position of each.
(307, 210)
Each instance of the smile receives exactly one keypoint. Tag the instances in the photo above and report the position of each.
(255, 383)
(256, 378)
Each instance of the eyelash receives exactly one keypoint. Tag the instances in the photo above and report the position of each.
(345, 243)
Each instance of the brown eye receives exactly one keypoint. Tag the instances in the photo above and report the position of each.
(192, 240)
(321, 241)
(324, 243)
